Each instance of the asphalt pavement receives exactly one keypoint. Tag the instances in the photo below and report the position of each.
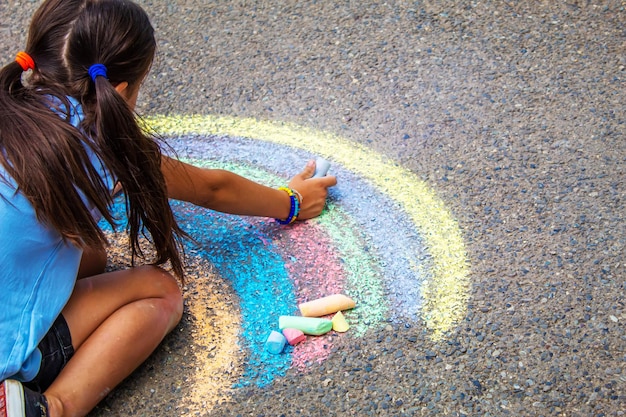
(510, 115)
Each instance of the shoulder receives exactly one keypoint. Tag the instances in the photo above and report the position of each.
(67, 107)
(76, 112)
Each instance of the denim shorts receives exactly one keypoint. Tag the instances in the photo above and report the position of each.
(56, 350)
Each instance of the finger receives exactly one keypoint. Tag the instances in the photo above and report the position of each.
(327, 181)
(308, 170)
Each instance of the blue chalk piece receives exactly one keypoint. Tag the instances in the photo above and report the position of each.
(275, 342)
(321, 167)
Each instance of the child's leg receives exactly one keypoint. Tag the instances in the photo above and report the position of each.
(93, 262)
(116, 320)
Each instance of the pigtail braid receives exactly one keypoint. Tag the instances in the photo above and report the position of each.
(42, 153)
(135, 158)
(115, 38)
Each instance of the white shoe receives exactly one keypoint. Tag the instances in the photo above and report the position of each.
(14, 399)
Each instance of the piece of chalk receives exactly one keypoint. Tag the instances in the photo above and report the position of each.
(307, 325)
(326, 305)
(339, 323)
(275, 342)
(321, 167)
(293, 336)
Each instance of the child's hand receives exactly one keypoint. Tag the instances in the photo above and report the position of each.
(313, 191)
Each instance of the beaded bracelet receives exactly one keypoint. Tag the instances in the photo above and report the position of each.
(300, 198)
(294, 210)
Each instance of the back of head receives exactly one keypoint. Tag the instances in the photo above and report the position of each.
(45, 43)
(115, 33)
(46, 40)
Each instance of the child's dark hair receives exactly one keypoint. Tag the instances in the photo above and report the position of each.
(46, 156)
(39, 150)
(46, 39)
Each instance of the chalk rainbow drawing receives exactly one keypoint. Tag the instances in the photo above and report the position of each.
(385, 239)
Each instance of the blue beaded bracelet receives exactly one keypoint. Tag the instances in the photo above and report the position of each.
(294, 209)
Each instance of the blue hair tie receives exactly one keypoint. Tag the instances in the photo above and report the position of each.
(97, 70)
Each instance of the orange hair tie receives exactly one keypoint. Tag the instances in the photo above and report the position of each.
(25, 61)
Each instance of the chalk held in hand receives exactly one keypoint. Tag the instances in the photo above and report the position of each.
(326, 305)
(339, 323)
(293, 336)
(321, 167)
(307, 325)
(275, 342)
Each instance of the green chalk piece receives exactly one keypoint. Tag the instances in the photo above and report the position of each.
(307, 325)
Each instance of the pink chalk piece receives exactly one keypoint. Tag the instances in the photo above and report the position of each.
(326, 305)
(293, 336)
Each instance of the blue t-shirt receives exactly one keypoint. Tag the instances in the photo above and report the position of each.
(37, 274)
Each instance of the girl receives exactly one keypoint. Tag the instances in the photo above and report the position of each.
(68, 136)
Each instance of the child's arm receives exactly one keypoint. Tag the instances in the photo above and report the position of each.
(228, 192)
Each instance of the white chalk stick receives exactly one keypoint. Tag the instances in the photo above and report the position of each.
(321, 167)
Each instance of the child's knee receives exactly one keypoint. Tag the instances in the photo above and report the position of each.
(166, 287)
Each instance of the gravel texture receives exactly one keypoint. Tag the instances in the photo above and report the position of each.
(513, 112)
